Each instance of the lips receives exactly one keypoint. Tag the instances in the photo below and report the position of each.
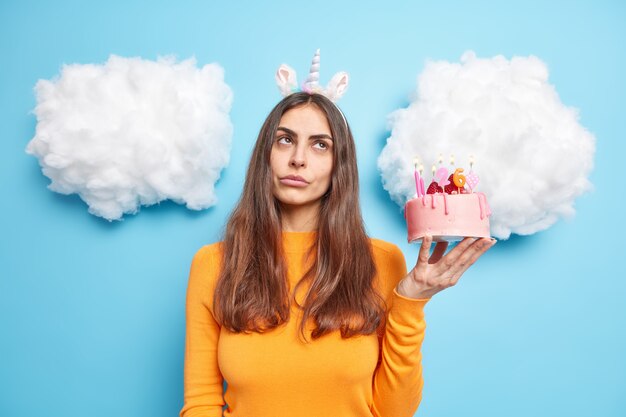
(294, 181)
(295, 178)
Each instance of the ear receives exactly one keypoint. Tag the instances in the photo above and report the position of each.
(286, 79)
(337, 86)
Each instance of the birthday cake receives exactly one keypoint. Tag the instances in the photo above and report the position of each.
(449, 210)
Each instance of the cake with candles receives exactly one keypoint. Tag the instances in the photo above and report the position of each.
(449, 209)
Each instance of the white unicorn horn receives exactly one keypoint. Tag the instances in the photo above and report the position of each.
(311, 85)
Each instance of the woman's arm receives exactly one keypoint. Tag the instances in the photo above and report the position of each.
(397, 384)
(398, 381)
(203, 380)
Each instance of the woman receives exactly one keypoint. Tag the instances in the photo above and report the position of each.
(297, 309)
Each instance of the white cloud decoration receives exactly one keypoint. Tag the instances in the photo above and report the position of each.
(134, 132)
(532, 155)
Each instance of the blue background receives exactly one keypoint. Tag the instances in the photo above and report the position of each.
(92, 312)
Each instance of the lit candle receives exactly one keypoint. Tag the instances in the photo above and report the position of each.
(417, 177)
(434, 169)
(442, 177)
(422, 189)
(472, 180)
(459, 179)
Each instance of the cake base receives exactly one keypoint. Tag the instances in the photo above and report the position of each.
(447, 217)
(441, 238)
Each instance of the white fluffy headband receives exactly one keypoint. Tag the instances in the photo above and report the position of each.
(288, 84)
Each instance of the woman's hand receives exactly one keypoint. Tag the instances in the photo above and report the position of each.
(431, 275)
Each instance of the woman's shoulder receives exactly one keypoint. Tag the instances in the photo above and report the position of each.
(209, 251)
(390, 265)
(206, 264)
(385, 249)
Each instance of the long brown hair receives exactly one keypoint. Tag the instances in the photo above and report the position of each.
(252, 289)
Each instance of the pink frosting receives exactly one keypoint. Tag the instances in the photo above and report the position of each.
(447, 216)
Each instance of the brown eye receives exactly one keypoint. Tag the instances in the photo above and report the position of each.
(285, 140)
(321, 145)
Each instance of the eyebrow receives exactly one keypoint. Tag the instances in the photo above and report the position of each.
(312, 137)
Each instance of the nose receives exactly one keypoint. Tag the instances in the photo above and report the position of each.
(298, 159)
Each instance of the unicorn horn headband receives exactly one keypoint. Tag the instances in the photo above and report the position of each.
(288, 84)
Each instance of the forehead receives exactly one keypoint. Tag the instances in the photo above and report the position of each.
(306, 119)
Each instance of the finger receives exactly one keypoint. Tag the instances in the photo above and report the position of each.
(448, 261)
(440, 250)
(470, 256)
(422, 258)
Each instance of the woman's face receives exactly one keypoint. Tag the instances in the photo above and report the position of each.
(302, 157)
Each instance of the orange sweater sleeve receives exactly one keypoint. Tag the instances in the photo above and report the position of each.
(398, 381)
(203, 381)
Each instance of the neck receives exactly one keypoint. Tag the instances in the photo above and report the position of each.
(301, 218)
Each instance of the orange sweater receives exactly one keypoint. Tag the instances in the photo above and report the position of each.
(275, 374)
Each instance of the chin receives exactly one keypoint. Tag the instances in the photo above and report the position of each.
(296, 201)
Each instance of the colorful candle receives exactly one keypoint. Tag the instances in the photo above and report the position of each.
(471, 178)
(422, 189)
(417, 177)
(458, 179)
(442, 177)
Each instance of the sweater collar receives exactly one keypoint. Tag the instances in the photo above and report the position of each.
(297, 242)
